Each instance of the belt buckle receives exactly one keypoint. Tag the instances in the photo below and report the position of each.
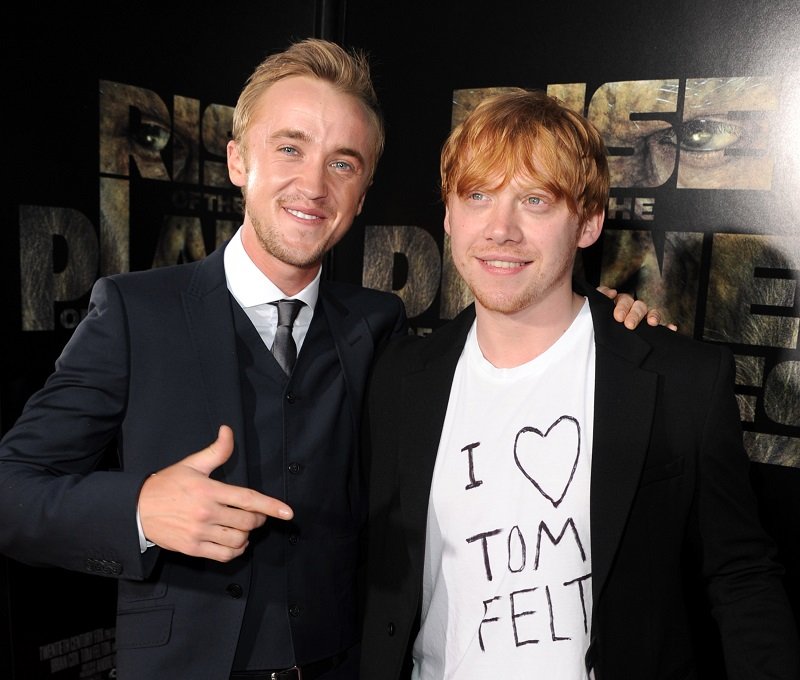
(293, 673)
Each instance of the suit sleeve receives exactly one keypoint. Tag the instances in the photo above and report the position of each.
(746, 593)
(59, 504)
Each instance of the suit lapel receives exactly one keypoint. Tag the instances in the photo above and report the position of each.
(625, 396)
(353, 342)
(209, 317)
(423, 396)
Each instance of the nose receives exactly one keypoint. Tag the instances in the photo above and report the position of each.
(501, 224)
(312, 180)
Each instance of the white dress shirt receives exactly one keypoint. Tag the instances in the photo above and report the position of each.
(254, 292)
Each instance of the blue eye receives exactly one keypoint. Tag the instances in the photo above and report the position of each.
(475, 196)
(342, 165)
(534, 200)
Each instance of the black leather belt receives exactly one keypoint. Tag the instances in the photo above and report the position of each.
(308, 671)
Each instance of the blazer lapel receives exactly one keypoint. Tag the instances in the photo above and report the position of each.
(353, 343)
(209, 317)
(423, 395)
(625, 396)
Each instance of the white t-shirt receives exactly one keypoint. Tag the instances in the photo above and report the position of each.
(507, 587)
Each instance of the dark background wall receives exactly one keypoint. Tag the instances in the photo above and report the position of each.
(115, 123)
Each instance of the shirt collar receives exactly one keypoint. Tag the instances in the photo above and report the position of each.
(250, 286)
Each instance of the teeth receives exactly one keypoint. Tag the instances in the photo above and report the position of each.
(504, 264)
(301, 215)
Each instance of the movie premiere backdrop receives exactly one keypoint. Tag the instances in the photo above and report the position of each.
(117, 122)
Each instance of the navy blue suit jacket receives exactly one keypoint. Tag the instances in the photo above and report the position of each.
(154, 367)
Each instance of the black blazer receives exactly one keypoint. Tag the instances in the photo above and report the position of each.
(153, 364)
(669, 473)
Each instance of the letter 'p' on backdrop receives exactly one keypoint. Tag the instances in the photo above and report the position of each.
(116, 122)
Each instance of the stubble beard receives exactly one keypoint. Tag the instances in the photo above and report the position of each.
(515, 301)
(271, 240)
(502, 302)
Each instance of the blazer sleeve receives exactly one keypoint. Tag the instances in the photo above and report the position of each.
(60, 504)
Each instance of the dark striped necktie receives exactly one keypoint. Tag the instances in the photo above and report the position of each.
(284, 349)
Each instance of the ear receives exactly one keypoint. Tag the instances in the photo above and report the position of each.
(237, 168)
(590, 229)
(361, 203)
(447, 219)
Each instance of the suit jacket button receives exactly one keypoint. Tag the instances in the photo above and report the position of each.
(390, 629)
(294, 610)
(294, 468)
(234, 590)
(290, 397)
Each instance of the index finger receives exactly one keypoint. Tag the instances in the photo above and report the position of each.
(253, 501)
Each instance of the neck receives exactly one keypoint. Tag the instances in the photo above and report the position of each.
(509, 340)
(290, 278)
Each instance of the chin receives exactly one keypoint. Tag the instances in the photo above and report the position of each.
(501, 303)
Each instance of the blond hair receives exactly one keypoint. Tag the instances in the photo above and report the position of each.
(347, 71)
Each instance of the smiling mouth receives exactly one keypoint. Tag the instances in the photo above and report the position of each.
(504, 264)
(302, 215)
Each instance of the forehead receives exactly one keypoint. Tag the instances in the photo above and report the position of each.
(316, 108)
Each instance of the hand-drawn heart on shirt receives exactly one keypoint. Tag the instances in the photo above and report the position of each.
(549, 460)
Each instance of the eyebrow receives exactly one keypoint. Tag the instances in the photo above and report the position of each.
(301, 135)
